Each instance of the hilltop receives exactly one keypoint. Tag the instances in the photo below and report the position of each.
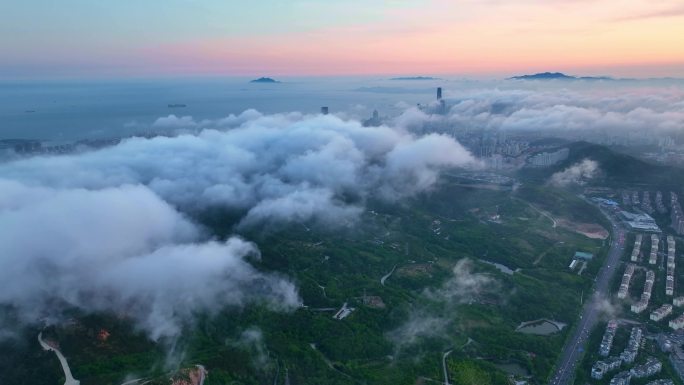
(616, 167)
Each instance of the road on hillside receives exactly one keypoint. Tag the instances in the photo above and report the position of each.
(69, 379)
(575, 345)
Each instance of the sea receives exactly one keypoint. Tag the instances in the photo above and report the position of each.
(69, 110)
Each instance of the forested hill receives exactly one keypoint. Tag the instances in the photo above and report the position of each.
(616, 168)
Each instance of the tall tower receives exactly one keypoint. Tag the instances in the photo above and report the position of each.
(324, 110)
(439, 93)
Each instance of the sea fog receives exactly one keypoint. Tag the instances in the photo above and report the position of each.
(68, 110)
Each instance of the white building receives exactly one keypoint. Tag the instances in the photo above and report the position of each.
(677, 323)
(637, 248)
(661, 312)
(626, 278)
(653, 256)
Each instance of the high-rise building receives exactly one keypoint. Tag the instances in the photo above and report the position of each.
(324, 110)
(439, 93)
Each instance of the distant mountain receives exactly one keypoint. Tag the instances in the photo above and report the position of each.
(415, 78)
(558, 76)
(264, 80)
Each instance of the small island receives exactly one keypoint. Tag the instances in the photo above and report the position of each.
(264, 80)
(557, 76)
(415, 78)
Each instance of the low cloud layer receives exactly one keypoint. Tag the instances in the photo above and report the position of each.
(278, 167)
(577, 174)
(464, 286)
(581, 110)
(122, 250)
(109, 230)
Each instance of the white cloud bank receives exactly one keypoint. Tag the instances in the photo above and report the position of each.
(577, 174)
(123, 250)
(617, 110)
(267, 166)
(103, 230)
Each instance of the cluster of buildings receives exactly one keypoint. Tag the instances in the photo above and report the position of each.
(642, 304)
(374, 120)
(669, 280)
(36, 147)
(677, 323)
(626, 279)
(661, 312)
(545, 159)
(678, 301)
(637, 248)
(623, 366)
(651, 367)
(629, 354)
(661, 382)
(672, 343)
(621, 378)
(496, 150)
(676, 215)
(653, 256)
(607, 341)
(600, 368)
(646, 203)
(438, 108)
(659, 202)
(640, 222)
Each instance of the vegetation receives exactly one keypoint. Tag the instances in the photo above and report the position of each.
(424, 239)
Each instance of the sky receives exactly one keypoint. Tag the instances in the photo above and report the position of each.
(127, 38)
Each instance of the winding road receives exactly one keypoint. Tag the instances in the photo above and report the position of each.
(384, 277)
(574, 346)
(444, 367)
(70, 380)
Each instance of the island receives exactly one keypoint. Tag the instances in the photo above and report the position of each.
(264, 80)
(557, 76)
(415, 78)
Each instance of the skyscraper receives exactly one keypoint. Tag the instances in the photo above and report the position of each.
(324, 110)
(439, 93)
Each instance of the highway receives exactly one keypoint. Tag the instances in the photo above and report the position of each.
(574, 346)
